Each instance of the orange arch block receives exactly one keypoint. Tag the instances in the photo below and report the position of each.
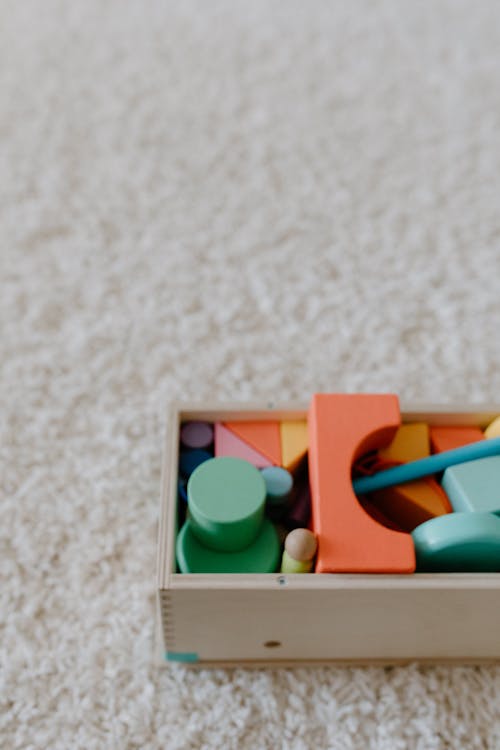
(341, 428)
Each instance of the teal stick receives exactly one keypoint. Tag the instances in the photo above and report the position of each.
(426, 466)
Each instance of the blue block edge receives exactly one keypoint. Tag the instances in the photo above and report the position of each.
(185, 657)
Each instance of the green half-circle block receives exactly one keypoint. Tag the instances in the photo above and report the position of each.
(458, 542)
(262, 556)
(226, 498)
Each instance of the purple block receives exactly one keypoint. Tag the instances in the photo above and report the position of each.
(197, 434)
(300, 511)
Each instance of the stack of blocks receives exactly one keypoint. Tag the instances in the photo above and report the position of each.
(241, 487)
(244, 484)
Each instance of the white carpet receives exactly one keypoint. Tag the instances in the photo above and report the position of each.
(228, 201)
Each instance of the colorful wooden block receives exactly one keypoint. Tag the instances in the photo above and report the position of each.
(493, 429)
(341, 428)
(299, 513)
(408, 505)
(190, 460)
(458, 542)
(425, 467)
(261, 556)
(262, 436)
(229, 444)
(289, 565)
(447, 438)
(474, 486)
(410, 442)
(377, 515)
(226, 499)
(182, 490)
(294, 442)
(197, 434)
(279, 483)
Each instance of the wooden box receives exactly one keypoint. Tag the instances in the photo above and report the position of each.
(274, 619)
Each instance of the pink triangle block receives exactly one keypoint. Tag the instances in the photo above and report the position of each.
(228, 444)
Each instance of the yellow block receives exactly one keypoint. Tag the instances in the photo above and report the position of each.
(294, 443)
(410, 443)
(493, 429)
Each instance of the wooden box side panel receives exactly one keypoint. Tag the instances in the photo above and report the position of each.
(336, 624)
(167, 527)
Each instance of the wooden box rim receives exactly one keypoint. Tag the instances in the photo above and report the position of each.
(449, 414)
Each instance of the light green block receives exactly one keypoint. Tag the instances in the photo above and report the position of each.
(289, 565)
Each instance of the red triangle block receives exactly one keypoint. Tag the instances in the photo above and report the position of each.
(228, 444)
(263, 437)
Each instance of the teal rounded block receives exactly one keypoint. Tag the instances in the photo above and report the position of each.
(262, 556)
(459, 543)
(226, 498)
(279, 483)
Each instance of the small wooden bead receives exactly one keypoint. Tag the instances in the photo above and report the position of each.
(301, 545)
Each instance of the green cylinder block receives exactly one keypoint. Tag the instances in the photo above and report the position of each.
(226, 499)
(261, 556)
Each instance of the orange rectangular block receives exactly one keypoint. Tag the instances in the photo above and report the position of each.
(447, 438)
(378, 515)
(341, 428)
(408, 505)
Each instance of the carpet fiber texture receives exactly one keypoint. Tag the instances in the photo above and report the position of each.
(224, 201)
